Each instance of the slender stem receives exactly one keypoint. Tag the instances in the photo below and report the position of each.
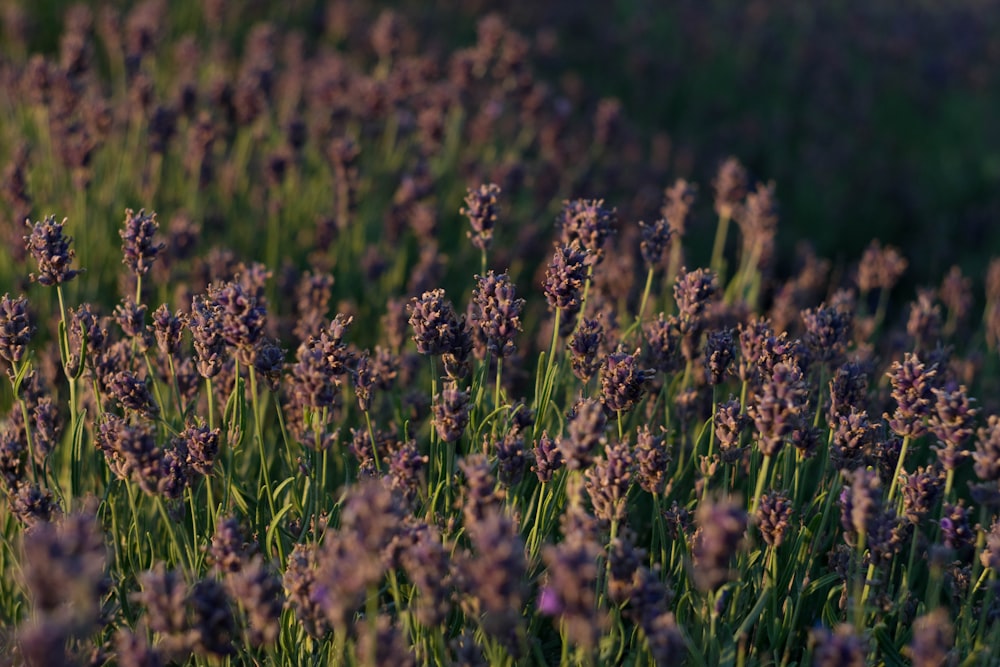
(899, 468)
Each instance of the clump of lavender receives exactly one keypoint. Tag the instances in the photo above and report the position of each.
(584, 432)
(911, 389)
(15, 328)
(772, 517)
(31, 503)
(586, 221)
(139, 250)
(584, 347)
(434, 323)
(721, 525)
(406, 469)
(48, 428)
(495, 314)
(451, 412)
(482, 210)
(228, 548)
(50, 248)
(623, 382)
(848, 390)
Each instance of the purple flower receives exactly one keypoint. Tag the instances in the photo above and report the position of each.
(656, 241)
(495, 313)
(50, 248)
(548, 458)
(15, 328)
(730, 186)
(482, 210)
(622, 381)
(241, 318)
(566, 276)
(778, 408)
(584, 432)
(451, 412)
(434, 323)
(587, 222)
(911, 389)
(721, 528)
(880, 268)
(584, 347)
(138, 249)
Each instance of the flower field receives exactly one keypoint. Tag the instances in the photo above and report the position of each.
(341, 345)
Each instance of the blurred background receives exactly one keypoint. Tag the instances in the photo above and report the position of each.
(873, 118)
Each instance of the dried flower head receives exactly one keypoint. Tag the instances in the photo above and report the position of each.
(50, 248)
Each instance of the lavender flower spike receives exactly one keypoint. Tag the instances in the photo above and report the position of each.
(50, 248)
